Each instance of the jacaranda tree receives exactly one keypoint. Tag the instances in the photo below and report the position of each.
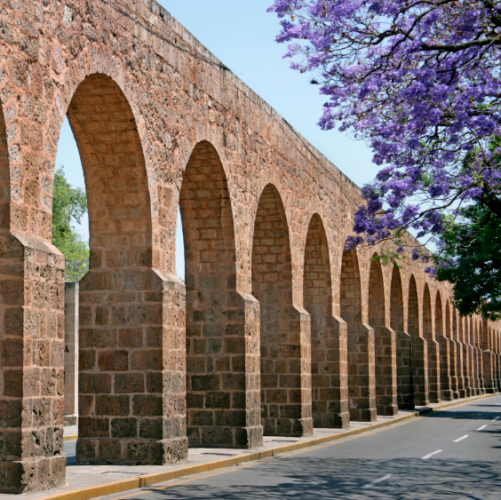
(420, 81)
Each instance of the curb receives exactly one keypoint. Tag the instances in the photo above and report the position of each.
(161, 477)
(70, 438)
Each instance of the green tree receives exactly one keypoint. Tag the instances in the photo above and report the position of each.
(69, 204)
(470, 258)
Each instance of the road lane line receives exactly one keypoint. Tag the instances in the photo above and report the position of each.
(377, 481)
(152, 489)
(426, 457)
(461, 438)
(482, 428)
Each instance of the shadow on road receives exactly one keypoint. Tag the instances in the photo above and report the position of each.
(352, 479)
(462, 415)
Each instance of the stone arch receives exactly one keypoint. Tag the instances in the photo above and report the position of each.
(419, 347)
(217, 411)
(361, 349)
(385, 343)
(329, 395)
(405, 390)
(285, 343)
(445, 347)
(122, 346)
(432, 346)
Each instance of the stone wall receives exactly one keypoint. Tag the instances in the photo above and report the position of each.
(277, 328)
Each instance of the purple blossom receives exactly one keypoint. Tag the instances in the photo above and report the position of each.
(421, 83)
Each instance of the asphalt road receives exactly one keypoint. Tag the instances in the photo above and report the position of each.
(450, 454)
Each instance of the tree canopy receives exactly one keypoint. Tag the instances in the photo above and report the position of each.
(69, 204)
(420, 81)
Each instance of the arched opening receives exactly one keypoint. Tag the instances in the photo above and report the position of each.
(433, 350)
(361, 349)
(70, 234)
(122, 403)
(286, 408)
(419, 347)
(215, 315)
(385, 343)
(445, 348)
(328, 403)
(405, 389)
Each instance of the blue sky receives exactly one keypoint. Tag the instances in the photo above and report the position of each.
(242, 36)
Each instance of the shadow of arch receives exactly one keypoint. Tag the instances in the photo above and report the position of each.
(285, 378)
(419, 348)
(385, 343)
(405, 385)
(361, 350)
(220, 411)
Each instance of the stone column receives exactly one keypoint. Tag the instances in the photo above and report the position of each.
(31, 364)
(132, 369)
(445, 345)
(405, 379)
(386, 370)
(330, 376)
(420, 370)
(71, 353)
(361, 373)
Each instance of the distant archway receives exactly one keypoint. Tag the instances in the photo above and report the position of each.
(283, 410)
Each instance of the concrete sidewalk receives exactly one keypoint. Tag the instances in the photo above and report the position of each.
(84, 482)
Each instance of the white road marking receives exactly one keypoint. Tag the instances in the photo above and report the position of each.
(426, 457)
(482, 428)
(377, 481)
(461, 438)
(497, 418)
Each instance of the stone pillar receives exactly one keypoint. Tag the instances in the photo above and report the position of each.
(386, 371)
(405, 379)
(330, 376)
(132, 369)
(224, 375)
(433, 370)
(420, 370)
(445, 346)
(71, 353)
(361, 373)
(31, 364)
(286, 374)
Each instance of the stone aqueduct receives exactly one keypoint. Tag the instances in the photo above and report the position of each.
(278, 329)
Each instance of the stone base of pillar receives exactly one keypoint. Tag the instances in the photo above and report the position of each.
(25, 476)
(106, 451)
